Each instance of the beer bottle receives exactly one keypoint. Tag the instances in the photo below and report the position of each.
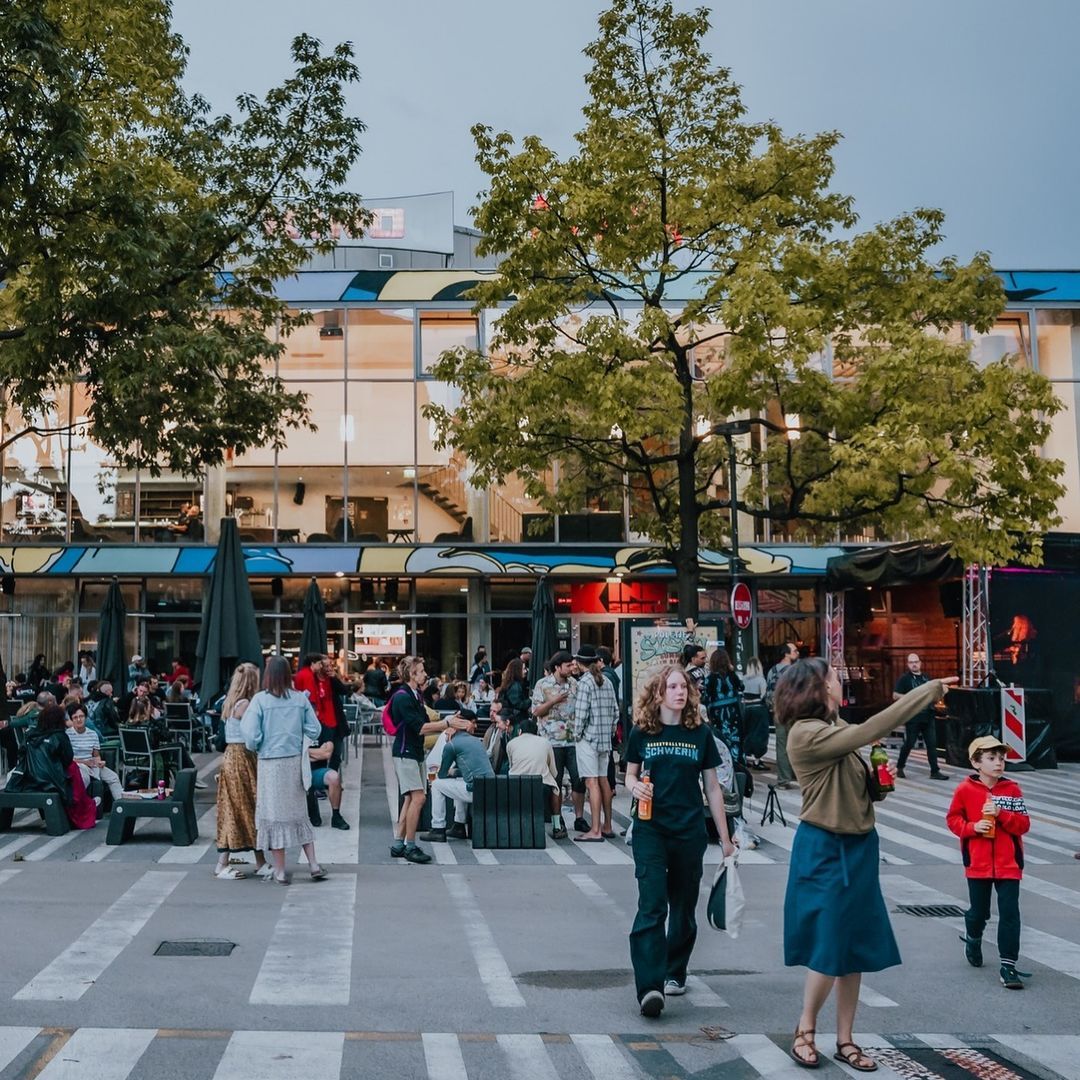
(644, 806)
(879, 762)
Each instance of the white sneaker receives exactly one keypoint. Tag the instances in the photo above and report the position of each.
(674, 989)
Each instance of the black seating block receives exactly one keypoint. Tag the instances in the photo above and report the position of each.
(508, 812)
(47, 802)
(178, 809)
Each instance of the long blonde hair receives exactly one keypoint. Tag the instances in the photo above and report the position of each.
(244, 686)
(647, 709)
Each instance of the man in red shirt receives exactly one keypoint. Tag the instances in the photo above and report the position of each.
(179, 668)
(313, 679)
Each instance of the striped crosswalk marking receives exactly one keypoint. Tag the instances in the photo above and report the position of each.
(282, 1055)
(311, 946)
(603, 1058)
(1061, 1053)
(874, 1000)
(5, 877)
(13, 1041)
(192, 853)
(527, 1057)
(442, 1055)
(83, 962)
(494, 972)
(99, 1054)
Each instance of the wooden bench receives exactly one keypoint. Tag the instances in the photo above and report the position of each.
(178, 809)
(47, 803)
(508, 812)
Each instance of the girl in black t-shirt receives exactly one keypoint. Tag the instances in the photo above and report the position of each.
(670, 741)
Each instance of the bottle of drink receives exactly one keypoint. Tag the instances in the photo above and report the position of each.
(644, 806)
(879, 762)
(161, 789)
(989, 834)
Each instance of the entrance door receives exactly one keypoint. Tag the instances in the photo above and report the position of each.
(166, 642)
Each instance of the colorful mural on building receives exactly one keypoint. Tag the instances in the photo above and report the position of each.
(382, 560)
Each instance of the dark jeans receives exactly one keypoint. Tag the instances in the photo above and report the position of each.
(927, 728)
(668, 871)
(1008, 897)
(566, 760)
(784, 772)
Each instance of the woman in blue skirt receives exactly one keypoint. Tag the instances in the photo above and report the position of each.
(835, 922)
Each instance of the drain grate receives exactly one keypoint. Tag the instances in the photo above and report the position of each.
(195, 948)
(932, 911)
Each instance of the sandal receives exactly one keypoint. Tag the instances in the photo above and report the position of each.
(318, 873)
(805, 1041)
(854, 1057)
(281, 878)
(230, 873)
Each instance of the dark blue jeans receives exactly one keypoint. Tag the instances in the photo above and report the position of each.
(668, 871)
(927, 728)
(1008, 897)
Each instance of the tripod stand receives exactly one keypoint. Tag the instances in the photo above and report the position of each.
(773, 808)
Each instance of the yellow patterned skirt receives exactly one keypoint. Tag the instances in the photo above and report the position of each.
(236, 799)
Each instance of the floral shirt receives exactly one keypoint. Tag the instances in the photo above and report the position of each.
(557, 724)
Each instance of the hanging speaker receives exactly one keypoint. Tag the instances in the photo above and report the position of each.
(392, 590)
(299, 492)
(951, 594)
(8, 584)
(277, 587)
(367, 592)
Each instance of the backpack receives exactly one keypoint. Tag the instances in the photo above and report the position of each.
(389, 726)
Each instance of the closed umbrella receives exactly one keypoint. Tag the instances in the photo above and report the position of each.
(229, 634)
(543, 629)
(111, 653)
(313, 635)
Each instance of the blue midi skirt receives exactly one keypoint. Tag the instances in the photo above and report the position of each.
(835, 921)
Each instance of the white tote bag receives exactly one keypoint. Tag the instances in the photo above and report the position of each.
(726, 898)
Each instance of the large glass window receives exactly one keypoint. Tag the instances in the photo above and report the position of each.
(316, 350)
(1009, 336)
(34, 470)
(443, 330)
(1059, 361)
(380, 343)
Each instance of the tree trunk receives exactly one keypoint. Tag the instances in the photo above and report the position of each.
(687, 565)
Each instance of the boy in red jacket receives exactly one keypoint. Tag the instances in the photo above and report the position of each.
(989, 816)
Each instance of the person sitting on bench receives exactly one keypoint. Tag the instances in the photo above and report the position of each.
(532, 755)
(467, 753)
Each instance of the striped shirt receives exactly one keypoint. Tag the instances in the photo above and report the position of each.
(596, 712)
(84, 745)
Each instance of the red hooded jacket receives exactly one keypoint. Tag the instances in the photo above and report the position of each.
(1003, 856)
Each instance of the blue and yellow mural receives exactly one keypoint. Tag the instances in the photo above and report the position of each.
(383, 560)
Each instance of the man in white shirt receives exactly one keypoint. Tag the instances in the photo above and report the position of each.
(532, 755)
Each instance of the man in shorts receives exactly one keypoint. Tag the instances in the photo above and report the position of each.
(596, 712)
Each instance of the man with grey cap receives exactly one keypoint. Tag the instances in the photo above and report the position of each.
(553, 700)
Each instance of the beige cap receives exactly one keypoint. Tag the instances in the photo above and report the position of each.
(984, 742)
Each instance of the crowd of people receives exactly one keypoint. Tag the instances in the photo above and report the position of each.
(696, 730)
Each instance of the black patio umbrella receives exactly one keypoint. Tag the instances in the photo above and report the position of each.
(313, 635)
(111, 653)
(543, 629)
(228, 635)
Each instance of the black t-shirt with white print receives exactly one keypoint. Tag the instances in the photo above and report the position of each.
(675, 759)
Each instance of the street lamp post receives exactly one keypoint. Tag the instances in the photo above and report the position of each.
(728, 431)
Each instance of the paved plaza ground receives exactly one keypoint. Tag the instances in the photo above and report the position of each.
(500, 964)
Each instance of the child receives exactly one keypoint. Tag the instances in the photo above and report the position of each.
(985, 803)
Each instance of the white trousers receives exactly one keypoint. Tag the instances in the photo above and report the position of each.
(451, 787)
(106, 775)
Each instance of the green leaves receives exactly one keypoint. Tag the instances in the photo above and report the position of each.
(683, 266)
(130, 220)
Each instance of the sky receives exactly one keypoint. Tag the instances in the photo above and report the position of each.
(966, 105)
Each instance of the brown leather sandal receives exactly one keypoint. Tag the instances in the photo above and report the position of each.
(854, 1056)
(804, 1039)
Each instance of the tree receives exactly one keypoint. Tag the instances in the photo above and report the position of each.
(140, 237)
(716, 275)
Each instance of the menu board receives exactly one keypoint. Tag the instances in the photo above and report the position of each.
(380, 639)
(653, 647)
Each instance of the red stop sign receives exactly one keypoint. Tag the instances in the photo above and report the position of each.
(742, 606)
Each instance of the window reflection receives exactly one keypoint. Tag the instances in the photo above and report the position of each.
(443, 330)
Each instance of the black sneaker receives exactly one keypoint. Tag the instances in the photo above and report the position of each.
(338, 822)
(581, 825)
(973, 950)
(652, 1004)
(458, 832)
(900, 773)
(414, 854)
(939, 776)
(398, 850)
(1010, 977)
(558, 832)
(315, 819)
(434, 836)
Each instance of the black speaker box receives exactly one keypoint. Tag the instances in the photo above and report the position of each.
(951, 594)
(299, 493)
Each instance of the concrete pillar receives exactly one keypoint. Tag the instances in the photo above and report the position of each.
(213, 502)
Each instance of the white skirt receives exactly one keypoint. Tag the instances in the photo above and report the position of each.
(281, 816)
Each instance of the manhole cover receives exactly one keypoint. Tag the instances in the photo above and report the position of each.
(932, 911)
(195, 948)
